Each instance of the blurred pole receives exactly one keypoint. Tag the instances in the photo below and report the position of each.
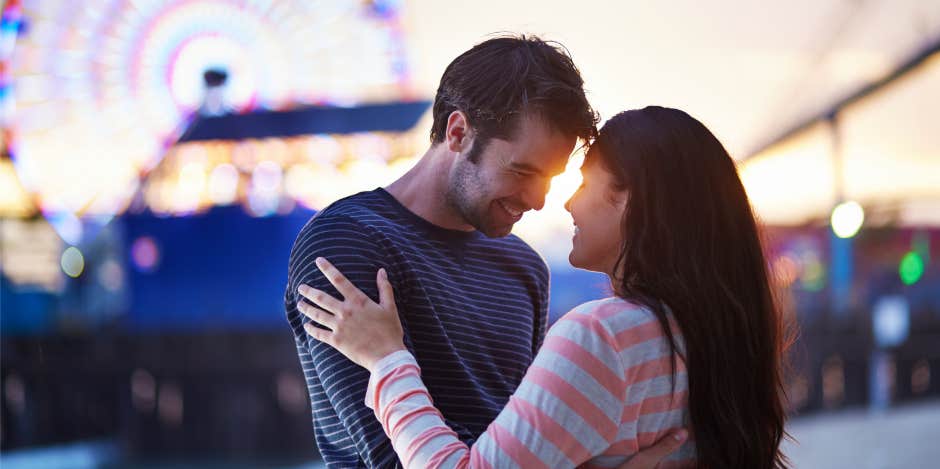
(840, 266)
(879, 380)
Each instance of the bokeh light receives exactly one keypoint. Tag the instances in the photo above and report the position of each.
(847, 219)
(111, 275)
(15, 393)
(190, 187)
(920, 376)
(170, 404)
(911, 268)
(143, 390)
(223, 184)
(299, 183)
(262, 204)
(73, 262)
(833, 381)
(814, 274)
(786, 270)
(891, 321)
(264, 197)
(266, 177)
(145, 254)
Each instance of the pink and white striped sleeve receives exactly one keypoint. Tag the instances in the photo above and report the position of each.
(566, 411)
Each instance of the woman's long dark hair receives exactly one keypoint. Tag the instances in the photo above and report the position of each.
(692, 245)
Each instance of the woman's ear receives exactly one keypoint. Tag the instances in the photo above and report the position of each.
(458, 136)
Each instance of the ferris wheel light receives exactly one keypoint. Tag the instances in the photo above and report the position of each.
(132, 75)
(847, 219)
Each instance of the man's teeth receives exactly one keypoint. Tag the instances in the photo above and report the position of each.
(511, 211)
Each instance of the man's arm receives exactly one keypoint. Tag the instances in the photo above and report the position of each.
(337, 385)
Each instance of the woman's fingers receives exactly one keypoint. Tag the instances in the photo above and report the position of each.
(342, 284)
(359, 328)
(317, 315)
(386, 293)
(321, 299)
(322, 335)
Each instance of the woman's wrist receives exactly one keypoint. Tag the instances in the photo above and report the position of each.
(381, 353)
(382, 367)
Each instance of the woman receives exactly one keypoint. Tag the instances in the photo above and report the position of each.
(692, 336)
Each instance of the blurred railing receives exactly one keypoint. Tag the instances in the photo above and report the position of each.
(242, 395)
(209, 395)
(832, 361)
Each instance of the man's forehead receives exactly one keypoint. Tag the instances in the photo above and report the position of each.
(539, 164)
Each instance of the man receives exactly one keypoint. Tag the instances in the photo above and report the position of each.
(473, 298)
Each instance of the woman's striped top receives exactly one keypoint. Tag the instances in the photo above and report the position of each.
(600, 388)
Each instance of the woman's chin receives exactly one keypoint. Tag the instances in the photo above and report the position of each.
(577, 262)
(584, 264)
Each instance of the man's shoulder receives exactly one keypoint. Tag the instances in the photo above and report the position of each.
(365, 213)
(354, 223)
(363, 208)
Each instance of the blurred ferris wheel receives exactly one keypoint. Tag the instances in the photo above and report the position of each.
(102, 88)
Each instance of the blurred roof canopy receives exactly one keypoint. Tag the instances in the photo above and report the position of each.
(124, 73)
(749, 71)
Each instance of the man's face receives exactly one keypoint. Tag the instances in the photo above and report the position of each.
(509, 177)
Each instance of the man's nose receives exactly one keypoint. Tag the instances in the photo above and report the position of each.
(535, 193)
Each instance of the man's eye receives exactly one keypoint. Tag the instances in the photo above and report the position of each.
(518, 173)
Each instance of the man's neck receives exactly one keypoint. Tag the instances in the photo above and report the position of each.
(423, 190)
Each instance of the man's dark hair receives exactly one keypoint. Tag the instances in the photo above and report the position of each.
(499, 80)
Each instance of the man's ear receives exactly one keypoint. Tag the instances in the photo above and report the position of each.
(459, 135)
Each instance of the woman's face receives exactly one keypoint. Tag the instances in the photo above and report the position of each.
(597, 209)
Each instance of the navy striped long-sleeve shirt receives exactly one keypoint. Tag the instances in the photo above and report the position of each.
(474, 311)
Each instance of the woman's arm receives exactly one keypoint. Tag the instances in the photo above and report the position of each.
(566, 411)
